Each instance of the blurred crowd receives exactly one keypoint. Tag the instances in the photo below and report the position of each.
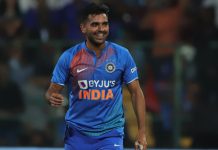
(174, 43)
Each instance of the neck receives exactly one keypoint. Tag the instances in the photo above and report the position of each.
(96, 48)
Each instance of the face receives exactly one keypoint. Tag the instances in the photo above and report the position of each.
(96, 29)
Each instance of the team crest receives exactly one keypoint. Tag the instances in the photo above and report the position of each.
(110, 67)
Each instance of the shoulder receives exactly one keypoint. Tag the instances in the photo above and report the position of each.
(119, 48)
(73, 50)
(67, 56)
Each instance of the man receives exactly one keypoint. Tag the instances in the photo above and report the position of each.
(94, 72)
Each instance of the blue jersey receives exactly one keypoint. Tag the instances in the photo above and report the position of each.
(95, 86)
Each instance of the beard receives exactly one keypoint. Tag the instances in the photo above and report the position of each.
(95, 41)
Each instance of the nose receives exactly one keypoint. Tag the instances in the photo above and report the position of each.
(100, 28)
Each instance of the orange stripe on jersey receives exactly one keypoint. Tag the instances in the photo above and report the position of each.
(81, 59)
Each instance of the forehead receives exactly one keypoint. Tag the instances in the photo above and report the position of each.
(97, 18)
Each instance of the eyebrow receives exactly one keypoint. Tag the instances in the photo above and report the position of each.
(99, 22)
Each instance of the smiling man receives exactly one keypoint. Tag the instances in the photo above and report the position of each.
(94, 72)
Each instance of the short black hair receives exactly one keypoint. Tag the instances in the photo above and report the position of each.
(93, 8)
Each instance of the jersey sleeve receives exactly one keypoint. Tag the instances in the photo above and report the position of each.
(130, 71)
(61, 71)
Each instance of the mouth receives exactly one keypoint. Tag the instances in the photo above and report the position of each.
(100, 35)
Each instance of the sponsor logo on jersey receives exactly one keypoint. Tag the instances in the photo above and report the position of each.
(117, 145)
(96, 89)
(110, 67)
(94, 94)
(85, 84)
(133, 70)
(81, 70)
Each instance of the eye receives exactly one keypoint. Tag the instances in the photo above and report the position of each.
(105, 24)
(94, 24)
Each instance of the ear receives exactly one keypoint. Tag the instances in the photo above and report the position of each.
(82, 28)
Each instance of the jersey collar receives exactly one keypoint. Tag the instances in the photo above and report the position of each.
(93, 52)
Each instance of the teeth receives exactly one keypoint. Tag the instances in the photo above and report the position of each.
(100, 35)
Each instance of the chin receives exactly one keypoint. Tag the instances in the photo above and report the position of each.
(99, 42)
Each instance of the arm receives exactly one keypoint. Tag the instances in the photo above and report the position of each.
(138, 102)
(54, 96)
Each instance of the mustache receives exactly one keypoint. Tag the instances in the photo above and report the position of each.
(103, 32)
